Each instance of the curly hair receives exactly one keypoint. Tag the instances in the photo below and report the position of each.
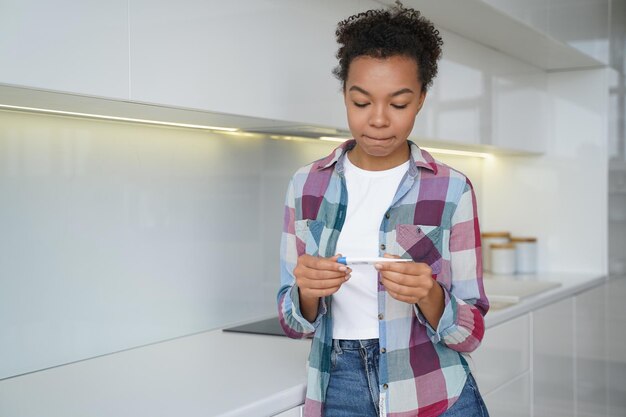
(385, 33)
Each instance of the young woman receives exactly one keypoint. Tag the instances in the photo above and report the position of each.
(390, 338)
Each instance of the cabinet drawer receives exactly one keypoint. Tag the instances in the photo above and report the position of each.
(511, 400)
(504, 354)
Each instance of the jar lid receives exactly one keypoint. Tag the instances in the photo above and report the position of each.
(523, 239)
(496, 234)
(502, 246)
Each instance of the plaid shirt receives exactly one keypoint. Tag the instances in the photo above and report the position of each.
(432, 219)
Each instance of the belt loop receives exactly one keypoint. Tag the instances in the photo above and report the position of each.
(336, 347)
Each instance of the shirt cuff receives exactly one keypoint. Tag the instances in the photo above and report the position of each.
(446, 321)
(297, 314)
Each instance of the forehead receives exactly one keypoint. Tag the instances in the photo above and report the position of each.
(393, 73)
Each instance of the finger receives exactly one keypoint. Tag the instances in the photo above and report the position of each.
(409, 268)
(323, 292)
(396, 288)
(322, 274)
(421, 283)
(329, 264)
(413, 293)
(402, 278)
(321, 284)
(402, 298)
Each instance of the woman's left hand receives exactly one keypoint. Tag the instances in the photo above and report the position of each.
(412, 282)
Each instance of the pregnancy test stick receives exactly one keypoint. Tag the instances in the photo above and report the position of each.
(368, 261)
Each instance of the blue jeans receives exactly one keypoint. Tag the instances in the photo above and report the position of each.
(353, 386)
(470, 402)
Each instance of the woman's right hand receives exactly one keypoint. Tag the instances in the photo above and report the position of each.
(318, 277)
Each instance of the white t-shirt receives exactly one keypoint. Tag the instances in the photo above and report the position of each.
(370, 193)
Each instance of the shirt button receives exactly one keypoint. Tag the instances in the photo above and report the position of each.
(381, 316)
(382, 246)
(385, 386)
(383, 350)
(387, 215)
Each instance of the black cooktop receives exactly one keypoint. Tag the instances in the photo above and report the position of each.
(268, 326)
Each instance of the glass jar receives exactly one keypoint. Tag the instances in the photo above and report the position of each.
(502, 258)
(488, 239)
(525, 254)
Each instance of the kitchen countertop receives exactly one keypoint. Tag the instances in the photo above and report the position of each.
(570, 284)
(211, 373)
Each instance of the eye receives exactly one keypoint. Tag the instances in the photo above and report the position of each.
(361, 104)
(398, 106)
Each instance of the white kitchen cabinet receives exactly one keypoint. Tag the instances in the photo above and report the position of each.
(510, 400)
(478, 98)
(553, 360)
(591, 353)
(270, 59)
(554, 18)
(532, 12)
(616, 323)
(292, 412)
(504, 354)
(66, 45)
(262, 59)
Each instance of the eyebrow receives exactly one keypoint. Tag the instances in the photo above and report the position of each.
(397, 93)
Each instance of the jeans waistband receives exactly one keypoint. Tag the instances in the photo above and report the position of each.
(339, 344)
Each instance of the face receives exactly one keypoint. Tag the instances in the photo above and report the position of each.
(382, 98)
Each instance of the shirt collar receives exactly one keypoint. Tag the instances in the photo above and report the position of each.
(419, 158)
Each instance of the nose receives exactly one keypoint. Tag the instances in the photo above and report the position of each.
(379, 117)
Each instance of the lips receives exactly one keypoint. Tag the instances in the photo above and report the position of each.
(379, 139)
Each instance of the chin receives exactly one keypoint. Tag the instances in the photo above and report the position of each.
(384, 148)
(378, 151)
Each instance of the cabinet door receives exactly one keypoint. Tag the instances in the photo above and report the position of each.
(553, 360)
(510, 400)
(66, 45)
(270, 59)
(477, 96)
(616, 323)
(591, 353)
(504, 354)
(292, 412)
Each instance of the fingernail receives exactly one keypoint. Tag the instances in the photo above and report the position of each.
(348, 277)
(378, 266)
(343, 268)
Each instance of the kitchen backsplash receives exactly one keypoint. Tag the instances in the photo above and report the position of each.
(119, 234)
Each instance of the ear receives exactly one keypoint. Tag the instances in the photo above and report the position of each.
(420, 103)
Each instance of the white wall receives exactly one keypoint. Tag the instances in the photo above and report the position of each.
(560, 197)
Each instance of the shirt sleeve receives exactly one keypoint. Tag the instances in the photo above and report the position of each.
(462, 323)
(291, 319)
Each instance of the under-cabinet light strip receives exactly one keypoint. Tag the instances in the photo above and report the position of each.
(217, 128)
(426, 148)
(116, 118)
(456, 152)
